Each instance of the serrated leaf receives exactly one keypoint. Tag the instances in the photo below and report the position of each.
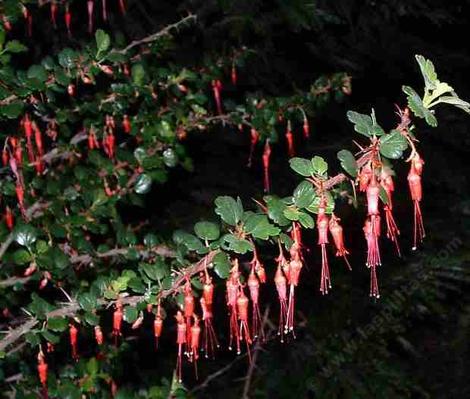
(276, 210)
(21, 257)
(37, 72)
(57, 324)
(14, 46)
(87, 301)
(365, 124)
(303, 194)
(229, 209)
(207, 231)
(456, 101)
(238, 245)
(302, 166)
(222, 265)
(428, 72)
(103, 41)
(415, 103)
(362, 123)
(143, 184)
(348, 162)
(12, 110)
(320, 167)
(306, 220)
(130, 314)
(292, 213)
(138, 74)
(393, 144)
(25, 235)
(189, 240)
(259, 227)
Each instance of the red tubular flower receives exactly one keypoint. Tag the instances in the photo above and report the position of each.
(188, 306)
(242, 309)
(373, 255)
(290, 140)
(42, 372)
(73, 333)
(234, 74)
(90, 7)
(256, 323)
(181, 342)
(306, 128)
(117, 321)
(232, 285)
(126, 124)
(5, 157)
(98, 335)
(210, 342)
(337, 233)
(216, 88)
(53, 11)
(322, 227)
(266, 158)
(253, 140)
(68, 19)
(104, 10)
(122, 7)
(195, 335)
(392, 228)
(365, 175)
(9, 219)
(414, 182)
(281, 287)
(158, 324)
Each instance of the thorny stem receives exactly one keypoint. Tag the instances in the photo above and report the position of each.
(71, 308)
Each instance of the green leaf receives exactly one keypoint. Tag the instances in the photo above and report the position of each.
(207, 231)
(348, 162)
(190, 241)
(21, 257)
(320, 167)
(138, 74)
(238, 245)
(393, 144)
(143, 184)
(87, 301)
(37, 72)
(276, 210)
(25, 235)
(306, 220)
(67, 58)
(12, 110)
(57, 324)
(130, 314)
(150, 240)
(456, 101)
(428, 72)
(365, 124)
(229, 209)
(14, 46)
(302, 166)
(157, 271)
(222, 265)
(103, 41)
(303, 194)
(362, 123)
(259, 227)
(292, 213)
(415, 103)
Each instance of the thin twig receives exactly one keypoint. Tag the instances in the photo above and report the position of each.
(70, 309)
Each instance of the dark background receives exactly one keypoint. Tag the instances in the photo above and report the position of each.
(422, 349)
